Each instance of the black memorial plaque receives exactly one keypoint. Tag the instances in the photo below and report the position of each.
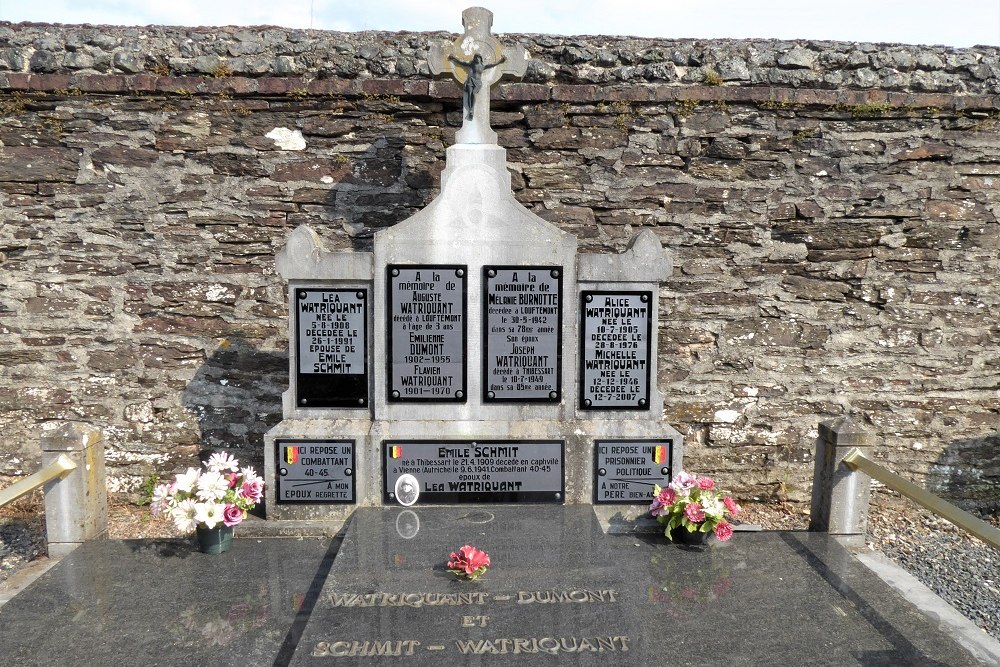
(625, 471)
(426, 333)
(522, 334)
(331, 328)
(450, 471)
(615, 341)
(315, 471)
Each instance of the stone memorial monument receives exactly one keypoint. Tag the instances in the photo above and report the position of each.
(473, 349)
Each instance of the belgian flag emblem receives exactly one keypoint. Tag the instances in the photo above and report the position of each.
(659, 454)
(395, 451)
(291, 455)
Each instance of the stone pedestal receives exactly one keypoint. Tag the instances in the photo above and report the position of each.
(476, 231)
(76, 506)
(840, 496)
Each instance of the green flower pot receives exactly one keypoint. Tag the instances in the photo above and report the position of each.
(215, 540)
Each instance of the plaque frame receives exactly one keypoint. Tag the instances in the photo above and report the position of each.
(351, 473)
(314, 383)
(550, 400)
(464, 390)
(670, 444)
(471, 497)
(581, 329)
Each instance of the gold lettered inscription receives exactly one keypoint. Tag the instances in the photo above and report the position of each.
(475, 621)
(555, 597)
(353, 649)
(550, 645)
(416, 600)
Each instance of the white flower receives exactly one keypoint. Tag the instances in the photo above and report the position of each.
(209, 514)
(223, 462)
(712, 506)
(163, 499)
(162, 492)
(184, 515)
(186, 481)
(212, 486)
(250, 475)
(164, 507)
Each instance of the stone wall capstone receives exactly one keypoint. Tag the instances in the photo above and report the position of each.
(831, 209)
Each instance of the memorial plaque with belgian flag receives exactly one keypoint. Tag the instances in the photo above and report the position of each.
(466, 471)
(315, 471)
(625, 471)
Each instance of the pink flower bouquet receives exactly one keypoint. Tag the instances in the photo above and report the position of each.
(691, 502)
(220, 494)
(468, 562)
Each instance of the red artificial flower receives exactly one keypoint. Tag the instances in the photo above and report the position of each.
(731, 505)
(662, 502)
(723, 531)
(469, 561)
(694, 513)
(667, 496)
(706, 483)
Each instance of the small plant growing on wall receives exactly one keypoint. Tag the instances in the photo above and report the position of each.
(802, 135)
(147, 488)
(14, 106)
(871, 109)
(686, 108)
(53, 127)
(624, 114)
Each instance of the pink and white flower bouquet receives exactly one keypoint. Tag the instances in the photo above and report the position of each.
(692, 503)
(220, 494)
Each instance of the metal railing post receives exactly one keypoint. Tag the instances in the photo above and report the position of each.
(856, 460)
(840, 496)
(76, 506)
(58, 468)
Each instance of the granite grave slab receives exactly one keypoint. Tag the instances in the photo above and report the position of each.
(162, 602)
(560, 592)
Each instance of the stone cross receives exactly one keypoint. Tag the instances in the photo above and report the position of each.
(477, 60)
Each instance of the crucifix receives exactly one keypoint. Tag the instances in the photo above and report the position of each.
(477, 60)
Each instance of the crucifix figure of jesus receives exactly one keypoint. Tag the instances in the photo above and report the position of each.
(473, 80)
(477, 60)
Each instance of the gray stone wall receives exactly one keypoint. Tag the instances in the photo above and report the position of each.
(831, 209)
(268, 51)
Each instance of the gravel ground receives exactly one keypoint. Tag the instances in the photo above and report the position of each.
(21, 535)
(961, 569)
